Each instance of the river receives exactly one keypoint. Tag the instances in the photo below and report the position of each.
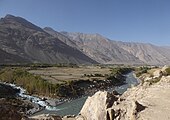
(74, 107)
(131, 80)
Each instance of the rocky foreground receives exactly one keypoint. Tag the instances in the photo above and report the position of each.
(147, 101)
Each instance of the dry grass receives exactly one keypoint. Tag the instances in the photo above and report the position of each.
(61, 74)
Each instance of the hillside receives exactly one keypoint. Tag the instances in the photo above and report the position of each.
(106, 51)
(29, 42)
(148, 53)
(102, 49)
(10, 58)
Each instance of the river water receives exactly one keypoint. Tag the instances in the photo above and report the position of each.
(131, 80)
(74, 107)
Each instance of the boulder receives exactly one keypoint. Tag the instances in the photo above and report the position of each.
(95, 107)
(107, 106)
(157, 74)
(127, 110)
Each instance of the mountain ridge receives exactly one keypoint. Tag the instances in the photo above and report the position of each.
(28, 41)
(19, 37)
(145, 52)
(100, 48)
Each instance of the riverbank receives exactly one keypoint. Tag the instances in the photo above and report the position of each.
(58, 106)
(7, 91)
(71, 95)
(83, 84)
(73, 107)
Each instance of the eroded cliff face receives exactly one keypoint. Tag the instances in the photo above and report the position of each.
(145, 102)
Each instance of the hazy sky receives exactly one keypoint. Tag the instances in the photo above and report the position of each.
(126, 20)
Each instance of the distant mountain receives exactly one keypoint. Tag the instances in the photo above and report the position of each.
(61, 37)
(22, 41)
(104, 50)
(148, 53)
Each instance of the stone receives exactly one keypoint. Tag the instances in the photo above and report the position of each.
(157, 74)
(95, 107)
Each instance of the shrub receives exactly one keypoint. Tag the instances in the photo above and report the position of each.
(98, 75)
(167, 71)
(141, 70)
(33, 84)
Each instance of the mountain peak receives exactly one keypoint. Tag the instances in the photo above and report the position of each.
(48, 29)
(11, 19)
(9, 16)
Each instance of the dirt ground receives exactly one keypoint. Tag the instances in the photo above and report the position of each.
(157, 101)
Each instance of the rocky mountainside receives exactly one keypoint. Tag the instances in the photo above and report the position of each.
(21, 40)
(61, 37)
(104, 50)
(148, 53)
(24, 42)
(10, 58)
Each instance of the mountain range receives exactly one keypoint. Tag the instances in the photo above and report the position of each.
(23, 42)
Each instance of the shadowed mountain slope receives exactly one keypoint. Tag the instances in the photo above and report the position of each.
(28, 41)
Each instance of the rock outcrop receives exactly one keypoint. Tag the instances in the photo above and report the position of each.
(106, 106)
(160, 72)
(96, 106)
(144, 102)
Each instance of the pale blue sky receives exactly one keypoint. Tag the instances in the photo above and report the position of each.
(145, 21)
